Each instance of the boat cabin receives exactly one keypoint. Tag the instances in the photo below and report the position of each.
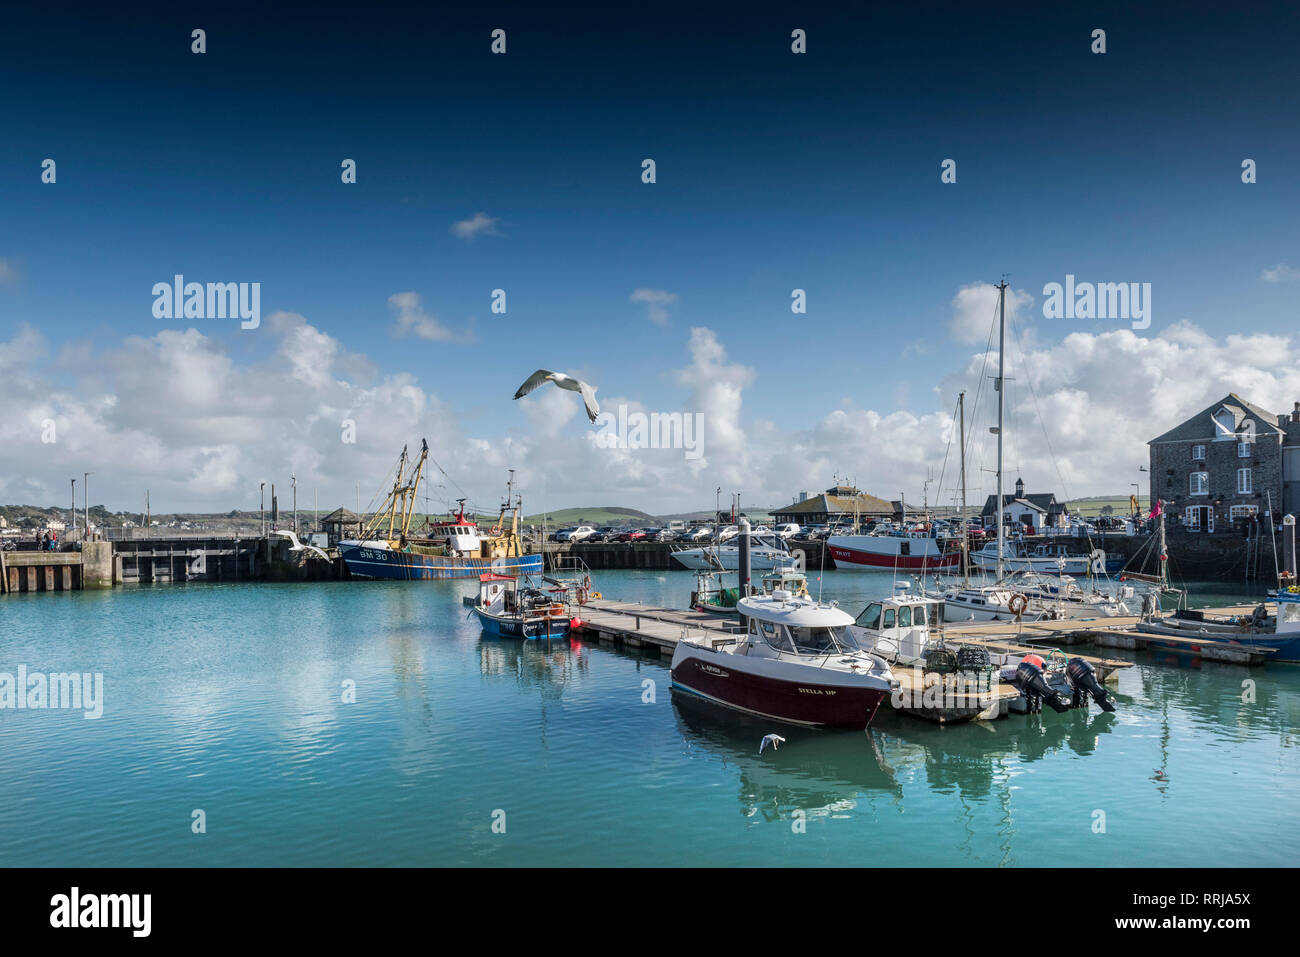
(784, 624)
(899, 627)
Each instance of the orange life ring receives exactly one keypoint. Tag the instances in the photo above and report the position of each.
(557, 610)
(1017, 604)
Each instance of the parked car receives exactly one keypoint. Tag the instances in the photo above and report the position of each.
(579, 534)
(788, 530)
(606, 533)
(631, 535)
(697, 534)
(565, 532)
(658, 534)
(728, 532)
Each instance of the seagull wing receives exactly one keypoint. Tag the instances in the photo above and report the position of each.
(532, 382)
(589, 400)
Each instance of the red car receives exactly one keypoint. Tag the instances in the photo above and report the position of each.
(635, 535)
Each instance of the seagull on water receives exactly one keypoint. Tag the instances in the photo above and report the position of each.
(773, 740)
(541, 377)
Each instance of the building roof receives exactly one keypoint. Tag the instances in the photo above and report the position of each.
(1042, 501)
(839, 500)
(341, 516)
(1202, 425)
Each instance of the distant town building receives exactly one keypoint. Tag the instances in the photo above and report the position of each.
(836, 506)
(1038, 510)
(1227, 463)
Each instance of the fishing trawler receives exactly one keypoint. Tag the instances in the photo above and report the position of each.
(455, 548)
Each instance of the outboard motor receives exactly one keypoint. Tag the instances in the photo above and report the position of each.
(1029, 679)
(1083, 679)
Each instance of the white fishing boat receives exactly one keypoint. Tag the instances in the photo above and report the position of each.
(1048, 558)
(766, 552)
(905, 551)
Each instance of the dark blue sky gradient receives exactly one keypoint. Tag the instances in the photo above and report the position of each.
(775, 171)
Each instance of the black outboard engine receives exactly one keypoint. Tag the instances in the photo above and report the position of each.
(1083, 679)
(1029, 679)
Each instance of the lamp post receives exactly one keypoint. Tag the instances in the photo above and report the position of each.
(73, 533)
(294, 480)
(262, 508)
(85, 499)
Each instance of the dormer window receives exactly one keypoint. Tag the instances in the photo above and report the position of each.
(1225, 424)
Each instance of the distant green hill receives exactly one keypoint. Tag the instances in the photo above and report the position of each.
(1093, 506)
(601, 515)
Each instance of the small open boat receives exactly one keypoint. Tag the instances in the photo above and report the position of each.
(508, 610)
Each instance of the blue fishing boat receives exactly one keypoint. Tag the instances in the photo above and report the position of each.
(507, 610)
(456, 547)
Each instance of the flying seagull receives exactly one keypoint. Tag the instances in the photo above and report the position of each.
(541, 377)
(773, 740)
(299, 546)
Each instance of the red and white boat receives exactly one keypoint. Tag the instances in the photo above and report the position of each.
(915, 551)
(795, 663)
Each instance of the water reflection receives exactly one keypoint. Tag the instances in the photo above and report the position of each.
(545, 664)
(822, 773)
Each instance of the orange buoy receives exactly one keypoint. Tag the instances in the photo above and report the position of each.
(1035, 661)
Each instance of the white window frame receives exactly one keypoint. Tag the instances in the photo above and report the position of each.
(1192, 518)
(1203, 484)
(1248, 486)
(1243, 450)
(1198, 453)
(1242, 511)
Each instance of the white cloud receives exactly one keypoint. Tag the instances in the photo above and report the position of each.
(1280, 273)
(657, 302)
(975, 310)
(8, 272)
(178, 414)
(413, 320)
(480, 224)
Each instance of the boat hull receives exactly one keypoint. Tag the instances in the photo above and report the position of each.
(703, 560)
(1287, 648)
(861, 553)
(1044, 566)
(791, 701)
(511, 627)
(367, 561)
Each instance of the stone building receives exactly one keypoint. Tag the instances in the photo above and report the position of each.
(1229, 462)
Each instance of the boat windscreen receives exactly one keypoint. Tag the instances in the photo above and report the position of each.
(823, 641)
(870, 616)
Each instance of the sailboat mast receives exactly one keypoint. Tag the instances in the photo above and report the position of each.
(1000, 385)
(965, 530)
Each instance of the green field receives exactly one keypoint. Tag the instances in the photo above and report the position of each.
(1119, 505)
(601, 515)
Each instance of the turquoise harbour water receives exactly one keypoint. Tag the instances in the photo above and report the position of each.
(228, 699)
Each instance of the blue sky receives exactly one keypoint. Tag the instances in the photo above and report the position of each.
(775, 171)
